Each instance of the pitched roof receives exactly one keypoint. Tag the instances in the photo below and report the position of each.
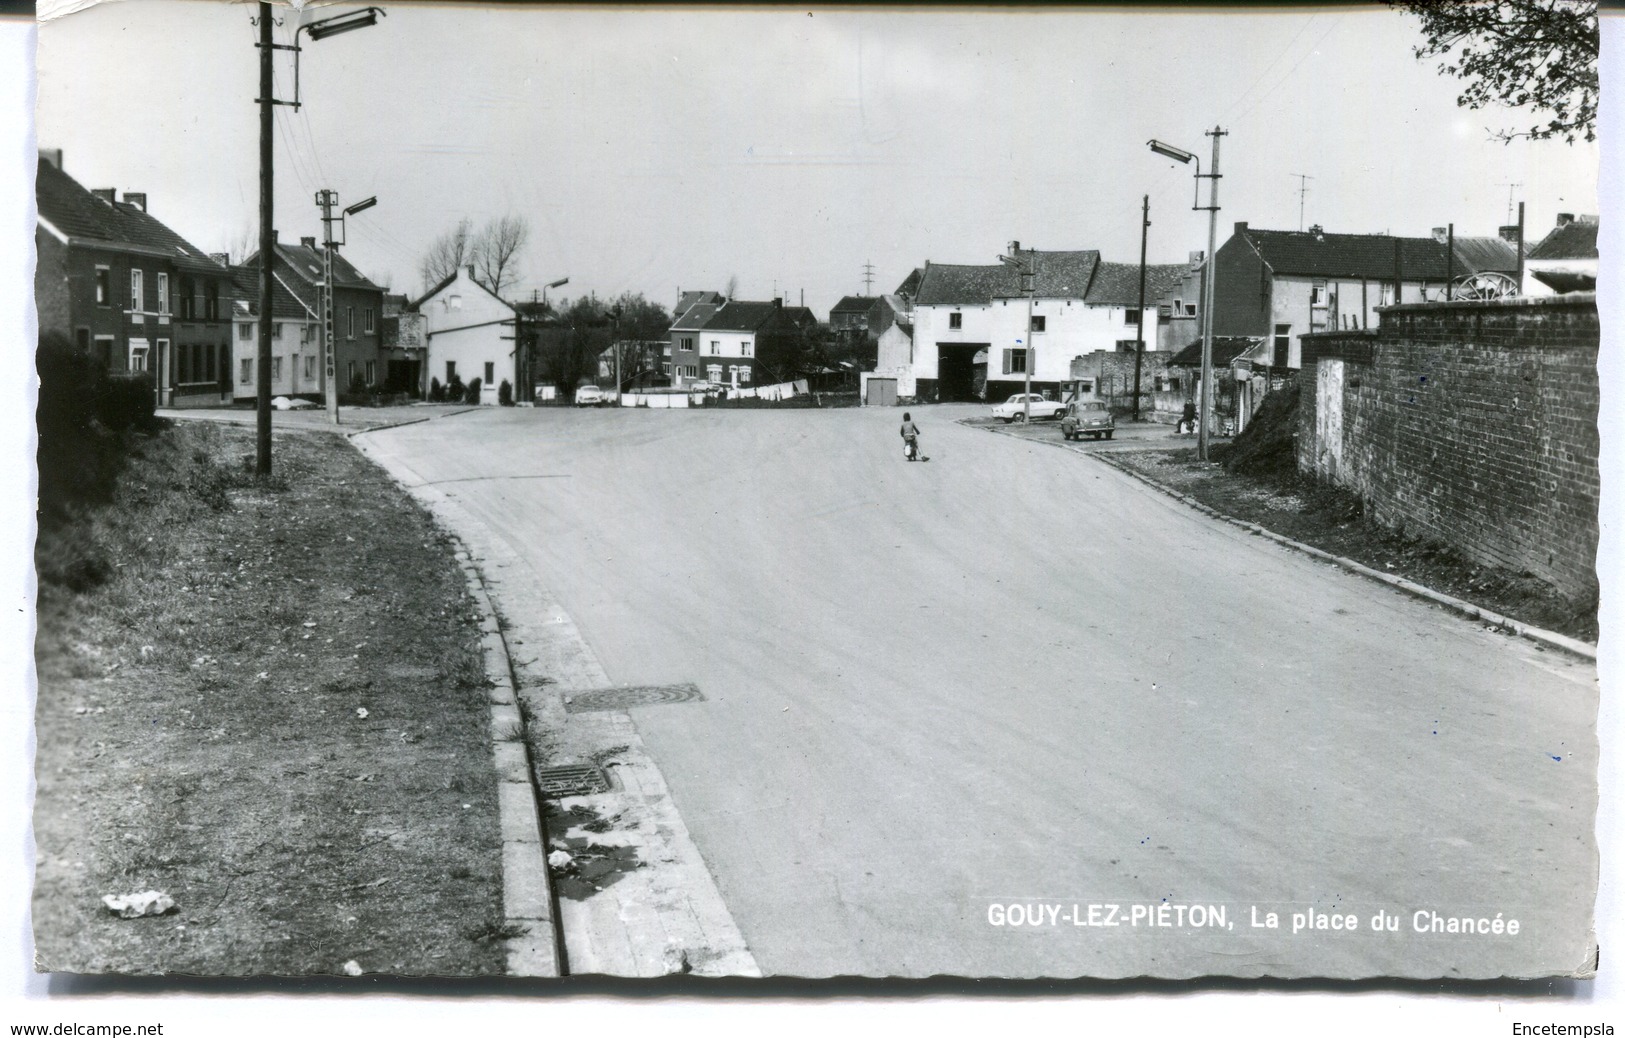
(688, 299)
(694, 318)
(853, 305)
(1118, 284)
(1226, 348)
(1058, 275)
(911, 284)
(741, 316)
(1574, 240)
(245, 282)
(306, 264)
(74, 211)
(1318, 254)
(1474, 255)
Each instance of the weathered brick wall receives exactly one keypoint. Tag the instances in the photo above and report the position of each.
(1474, 424)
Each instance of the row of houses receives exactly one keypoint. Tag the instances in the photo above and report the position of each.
(954, 332)
(120, 285)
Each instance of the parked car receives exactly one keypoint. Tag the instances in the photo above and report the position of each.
(591, 396)
(283, 403)
(1019, 405)
(1091, 418)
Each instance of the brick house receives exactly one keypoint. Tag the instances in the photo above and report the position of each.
(403, 346)
(124, 288)
(358, 307)
(739, 342)
(1282, 285)
(693, 310)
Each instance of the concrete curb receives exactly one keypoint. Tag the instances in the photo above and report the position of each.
(528, 900)
(1538, 635)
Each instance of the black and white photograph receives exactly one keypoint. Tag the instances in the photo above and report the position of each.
(727, 496)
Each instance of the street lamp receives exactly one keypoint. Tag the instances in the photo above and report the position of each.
(1028, 273)
(327, 200)
(1205, 407)
(267, 101)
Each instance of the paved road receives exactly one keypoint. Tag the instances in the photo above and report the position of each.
(1014, 675)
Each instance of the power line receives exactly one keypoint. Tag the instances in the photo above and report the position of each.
(868, 277)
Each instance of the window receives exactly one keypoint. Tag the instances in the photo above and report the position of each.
(1190, 309)
(276, 369)
(163, 293)
(1086, 385)
(211, 302)
(713, 372)
(138, 355)
(104, 287)
(1015, 362)
(1131, 317)
(135, 292)
(451, 370)
(188, 299)
(954, 320)
(366, 320)
(349, 373)
(349, 324)
(1283, 341)
(744, 373)
(210, 372)
(1128, 345)
(246, 374)
(1038, 322)
(104, 350)
(1161, 383)
(1317, 294)
(372, 372)
(490, 373)
(1179, 307)
(716, 349)
(744, 348)
(310, 367)
(245, 331)
(224, 380)
(276, 329)
(688, 342)
(81, 339)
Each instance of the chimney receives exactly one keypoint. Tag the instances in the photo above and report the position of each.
(1564, 219)
(1508, 233)
(1241, 226)
(309, 243)
(106, 194)
(1440, 234)
(470, 269)
(224, 259)
(52, 156)
(778, 302)
(1318, 231)
(137, 198)
(1196, 258)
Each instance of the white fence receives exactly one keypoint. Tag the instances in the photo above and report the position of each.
(684, 398)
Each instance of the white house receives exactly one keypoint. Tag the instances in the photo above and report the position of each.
(296, 339)
(470, 334)
(1566, 259)
(971, 336)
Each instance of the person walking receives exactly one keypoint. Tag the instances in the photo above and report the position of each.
(911, 438)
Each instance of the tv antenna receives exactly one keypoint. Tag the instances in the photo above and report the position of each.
(1303, 189)
(1510, 188)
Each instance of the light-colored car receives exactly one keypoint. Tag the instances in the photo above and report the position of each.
(591, 396)
(1091, 418)
(284, 403)
(1019, 405)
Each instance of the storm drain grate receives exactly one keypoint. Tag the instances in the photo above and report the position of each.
(622, 697)
(571, 780)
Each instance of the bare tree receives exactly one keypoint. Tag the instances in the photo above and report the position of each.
(447, 254)
(495, 251)
(1535, 54)
(242, 245)
(733, 286)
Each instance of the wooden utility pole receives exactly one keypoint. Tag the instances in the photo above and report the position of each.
(1139, 326)
(262, 399)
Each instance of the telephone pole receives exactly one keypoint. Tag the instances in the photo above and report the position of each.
(330, 383)
(262, 364)
(1139, 326)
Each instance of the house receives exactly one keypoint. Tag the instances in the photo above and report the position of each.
(403, 346)
(849, 320)
(693, 310)
(971, 339)
(1238, 385)
(635, 364)
(1566, 259)
(358, 306)
(296, 339)
(124, 288)
(739, 342)
(1282, 285)
(470, 333)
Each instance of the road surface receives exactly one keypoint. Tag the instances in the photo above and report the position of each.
(1013, 676)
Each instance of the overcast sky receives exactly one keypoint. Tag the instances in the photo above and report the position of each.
(658, 150)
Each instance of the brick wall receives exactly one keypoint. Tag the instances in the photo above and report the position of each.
(1474, 424)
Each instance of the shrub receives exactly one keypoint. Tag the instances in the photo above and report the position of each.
(358, 384)
(455, 390)
(472, 394)
(505, 394)
(437, 393)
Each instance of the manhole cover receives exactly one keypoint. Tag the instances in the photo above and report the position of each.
(571, 780)
(622, 697)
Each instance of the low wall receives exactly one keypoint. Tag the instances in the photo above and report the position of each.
(1473, 424)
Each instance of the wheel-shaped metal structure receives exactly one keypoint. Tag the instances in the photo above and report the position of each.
(1486, 285)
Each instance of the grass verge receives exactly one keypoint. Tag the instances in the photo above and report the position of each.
(271, 709)
(1331, 519)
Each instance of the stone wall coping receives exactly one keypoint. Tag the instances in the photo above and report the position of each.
(1574, 300)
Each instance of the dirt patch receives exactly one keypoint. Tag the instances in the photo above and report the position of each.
(1332, 519)
(272, 710)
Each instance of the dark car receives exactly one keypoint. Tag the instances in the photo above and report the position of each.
(1091, 418)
